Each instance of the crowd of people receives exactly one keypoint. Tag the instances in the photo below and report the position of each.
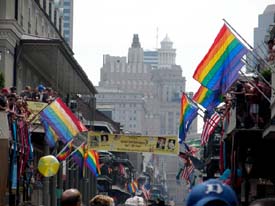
(212, 192)
(16, 103)
(250, 97)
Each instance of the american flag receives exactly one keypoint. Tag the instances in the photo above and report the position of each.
(145, 188)
(209, 127)
(187, 171)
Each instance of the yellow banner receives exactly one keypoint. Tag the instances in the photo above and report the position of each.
(35, 108)
(126, 143)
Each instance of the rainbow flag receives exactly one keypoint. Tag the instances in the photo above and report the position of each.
(187, 115)
(132, 187)
(91, 161)
(207, 98)
(50, 136)
(62, 120)
(65, 152)
(223, 60)
(78, 155)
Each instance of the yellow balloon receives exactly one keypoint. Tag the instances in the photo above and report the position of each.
(48, 165)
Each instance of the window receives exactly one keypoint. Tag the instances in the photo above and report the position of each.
(67, 3)
(50, 10)
(44, 4)
(66, 18)
(55, 17)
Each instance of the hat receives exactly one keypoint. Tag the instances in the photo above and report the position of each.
(40, 88)
(255, 76)
(211, 190)
(5, 90)
(135, 201)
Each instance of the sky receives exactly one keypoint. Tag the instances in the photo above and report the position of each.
(107, 27)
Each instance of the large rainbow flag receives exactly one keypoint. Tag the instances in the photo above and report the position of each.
(62, 120)
(220, 66)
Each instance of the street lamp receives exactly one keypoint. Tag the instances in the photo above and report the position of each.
(248, 165)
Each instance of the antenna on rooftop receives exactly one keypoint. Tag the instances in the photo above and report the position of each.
(157, 38)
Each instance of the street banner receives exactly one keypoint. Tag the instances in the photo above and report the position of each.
(35, 108)
(133, 143)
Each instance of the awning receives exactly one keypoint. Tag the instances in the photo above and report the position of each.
(51, 62)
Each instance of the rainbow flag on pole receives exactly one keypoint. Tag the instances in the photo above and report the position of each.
(188, 113)
(62, 120)
(92, 162)
(65, 152)
(220, 66)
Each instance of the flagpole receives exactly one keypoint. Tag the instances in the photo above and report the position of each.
(65, 147)
(257, 55)
(48, 104)
(199, 107)
(257, 88)
(76, 149)
(238, 34)
(195, 103)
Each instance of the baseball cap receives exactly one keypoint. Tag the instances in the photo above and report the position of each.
(135, 201)
(4, 90)
(41, 88)
(211, 190)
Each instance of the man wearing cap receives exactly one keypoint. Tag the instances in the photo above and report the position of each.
(212, 193)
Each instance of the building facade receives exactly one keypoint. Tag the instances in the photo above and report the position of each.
(33, 52)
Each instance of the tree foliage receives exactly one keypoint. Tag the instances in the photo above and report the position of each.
(2, 80)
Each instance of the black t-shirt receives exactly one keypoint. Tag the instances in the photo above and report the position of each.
(3, 101)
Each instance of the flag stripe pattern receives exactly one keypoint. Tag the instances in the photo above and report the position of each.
(62, 120)
(146, 191)
(223, 56)
(78, 155)
(65, 152)
(90, 162)
(187, 115)
(187, 171)
(209, 127)
(50, 136)
(207, 98)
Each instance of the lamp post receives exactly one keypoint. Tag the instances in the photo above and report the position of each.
(248, 167)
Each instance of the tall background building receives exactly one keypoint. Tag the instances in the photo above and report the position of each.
(266, 21)
(143, 93)
(68, 14)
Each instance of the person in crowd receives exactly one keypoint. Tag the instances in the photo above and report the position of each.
(253, 97)
(71, 197)
(26, 94)
(212, 193)
(101, 200)
(240, 100)
(263, 202)
(271, 50)
(3, 99)
(135, 201)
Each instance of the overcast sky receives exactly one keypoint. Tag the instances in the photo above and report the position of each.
(107, 27)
